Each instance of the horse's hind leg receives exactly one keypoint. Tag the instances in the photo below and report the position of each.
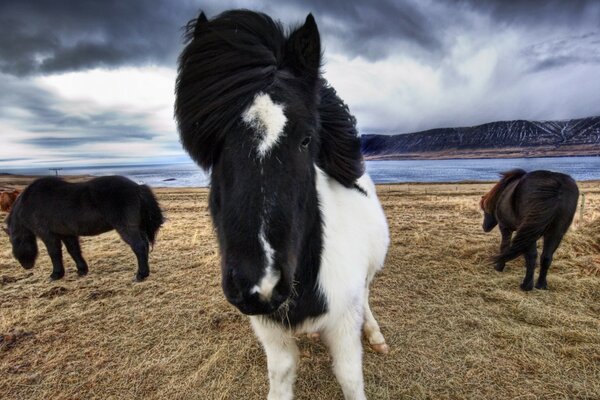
(371, 328)
(140, 247)
(54, 247)
(530, 260)
(72, 245)
(551, 243)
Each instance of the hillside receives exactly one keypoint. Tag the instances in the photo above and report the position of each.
(493, 140)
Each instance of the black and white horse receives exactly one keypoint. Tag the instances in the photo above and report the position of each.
(300, 228)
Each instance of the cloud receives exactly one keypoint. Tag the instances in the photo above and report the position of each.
(37, 122)
(47, 36)
(86, 80)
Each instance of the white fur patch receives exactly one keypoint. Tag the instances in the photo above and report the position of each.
(268, 119)
(271, 278)
(355, 241)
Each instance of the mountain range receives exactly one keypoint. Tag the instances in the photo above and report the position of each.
(503, 139)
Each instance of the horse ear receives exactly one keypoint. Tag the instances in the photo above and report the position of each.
(200, 21)
(193, 29)
(304, 48)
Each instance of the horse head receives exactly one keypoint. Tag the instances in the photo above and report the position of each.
(249, 107)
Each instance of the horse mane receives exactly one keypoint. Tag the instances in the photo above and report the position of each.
(225, 63)
(488, 200)
(340, 155)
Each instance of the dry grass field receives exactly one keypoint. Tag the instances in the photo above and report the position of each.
(457, 329)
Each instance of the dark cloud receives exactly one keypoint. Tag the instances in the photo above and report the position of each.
(374, 29)
(70, 141)
(44, 36)
(540, 12)
(571, 50)
(60, 126)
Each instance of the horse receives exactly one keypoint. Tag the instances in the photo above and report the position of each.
(535, 204)
(59, 212)
(7, 199)
(300, 229)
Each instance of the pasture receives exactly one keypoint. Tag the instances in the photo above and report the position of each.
(456, 328)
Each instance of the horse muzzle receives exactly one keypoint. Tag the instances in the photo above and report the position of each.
(253, 304)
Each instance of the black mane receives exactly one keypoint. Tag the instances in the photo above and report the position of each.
(225, 63)
(340, 154)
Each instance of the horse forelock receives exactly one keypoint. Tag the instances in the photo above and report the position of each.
(227, 62)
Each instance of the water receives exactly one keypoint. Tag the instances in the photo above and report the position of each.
(189, 175)
(580, 168)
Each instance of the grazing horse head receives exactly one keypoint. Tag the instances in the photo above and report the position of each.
(23, 241)
(253, 109)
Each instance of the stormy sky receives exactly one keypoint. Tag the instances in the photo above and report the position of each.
(86, 82)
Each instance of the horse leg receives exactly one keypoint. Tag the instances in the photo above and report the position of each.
(506, 236)
(54, 246)
(551, 243)
(371, 329)
(74, 249)
(530, 260)
(140, 247)
(282, 355)
(345, 347)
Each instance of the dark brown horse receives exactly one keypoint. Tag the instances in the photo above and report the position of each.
(58, 212)
(534, 204)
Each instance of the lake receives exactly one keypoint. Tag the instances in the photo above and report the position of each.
(189, 175)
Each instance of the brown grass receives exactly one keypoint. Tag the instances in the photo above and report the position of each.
(457, 329)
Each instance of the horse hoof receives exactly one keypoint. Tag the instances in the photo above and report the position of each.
(526, 287)
(381, 348)
(139, 278)
(82, 272)
(314, 336)
(56, 277)
(541, 286)
(499, 267)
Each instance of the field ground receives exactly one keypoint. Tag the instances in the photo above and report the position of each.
(457, 329)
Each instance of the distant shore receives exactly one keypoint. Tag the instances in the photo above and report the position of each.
(519, 152)
(10, 181)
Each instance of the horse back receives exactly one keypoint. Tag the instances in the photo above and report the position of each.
(537, 191)
(80, 209)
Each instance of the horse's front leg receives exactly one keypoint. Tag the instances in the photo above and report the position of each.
(140, 247)
(344, 343)
(54, 246)
(282, 355)
(506, 237)
(74, 249)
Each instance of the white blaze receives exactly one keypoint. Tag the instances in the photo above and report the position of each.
(268, 119)
(269, 280)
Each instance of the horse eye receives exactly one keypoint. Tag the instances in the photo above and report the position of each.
(306, 141)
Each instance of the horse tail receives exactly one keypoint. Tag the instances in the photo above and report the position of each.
(543, 211)
(151, 214)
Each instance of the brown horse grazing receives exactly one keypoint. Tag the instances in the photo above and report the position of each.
(7, 199)
(535, 204)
